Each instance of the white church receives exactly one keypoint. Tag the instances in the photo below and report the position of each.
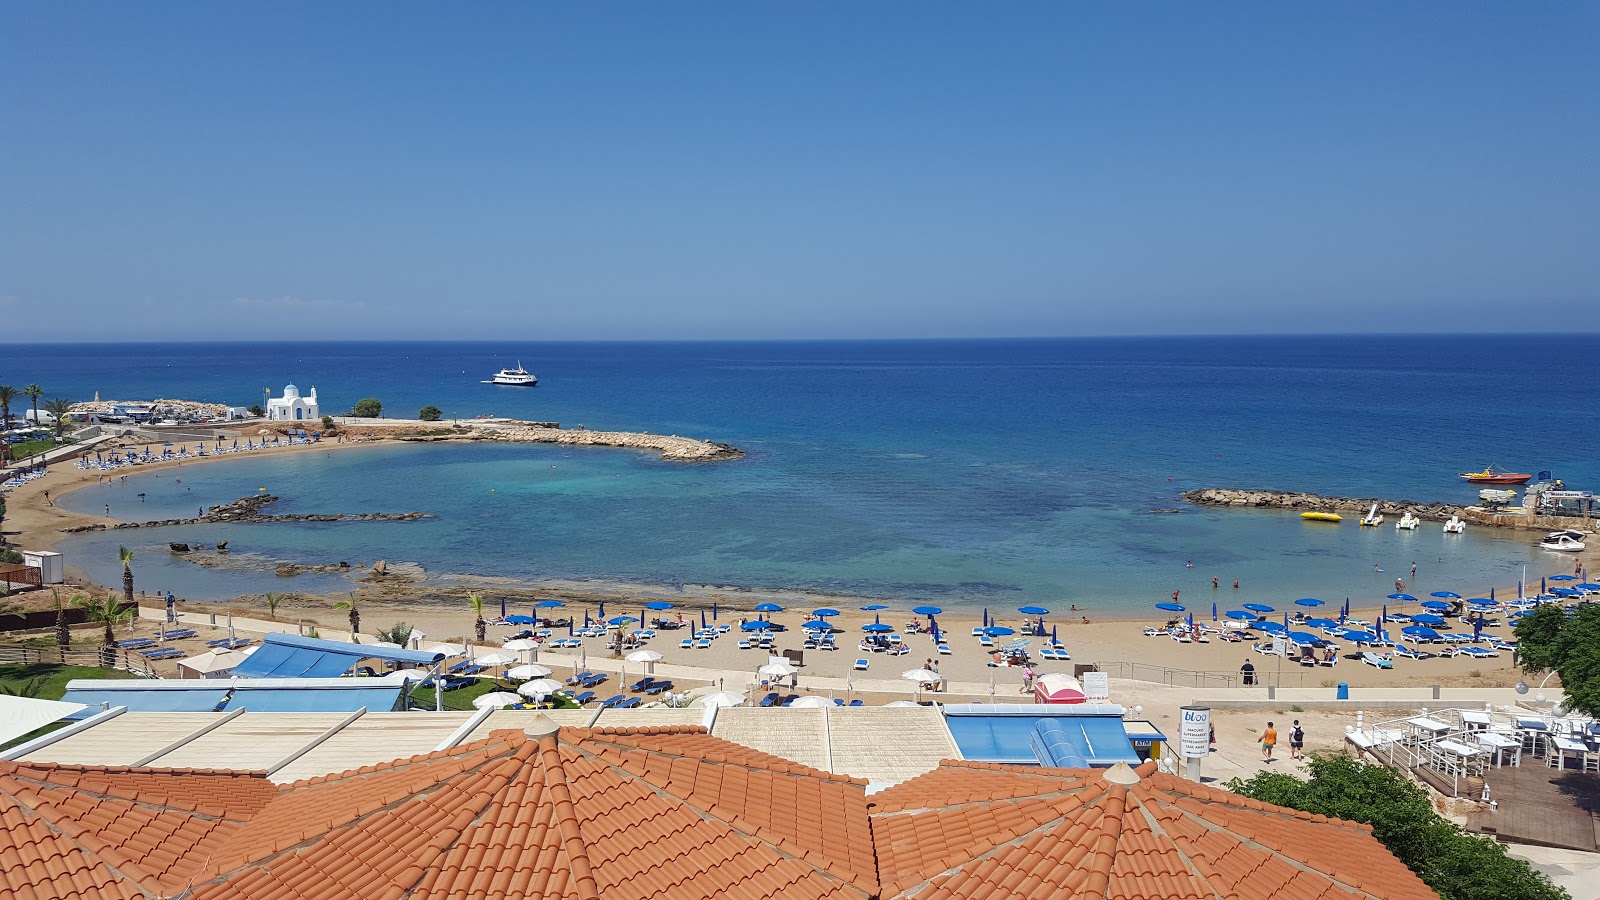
(292, 407)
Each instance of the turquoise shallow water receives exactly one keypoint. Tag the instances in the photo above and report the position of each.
(974, 473)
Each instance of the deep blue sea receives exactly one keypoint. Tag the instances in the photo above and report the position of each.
(969, 472)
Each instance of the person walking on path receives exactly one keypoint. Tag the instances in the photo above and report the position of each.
(1269, 739)
(1297, 741)
(172, 607)
(1247, 673)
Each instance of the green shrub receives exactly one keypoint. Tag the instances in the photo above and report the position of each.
(368, 408)
(430, 413)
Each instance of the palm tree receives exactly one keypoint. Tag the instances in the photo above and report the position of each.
(125, 556)
(34, 392)
(272, 604)
(475, 600)
(355, 616)
(59, 408)
(7, 394)
(63, 633)
(108, 611)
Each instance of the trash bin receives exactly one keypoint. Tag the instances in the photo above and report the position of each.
(1344, 692)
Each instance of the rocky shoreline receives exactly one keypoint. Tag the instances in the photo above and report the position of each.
(672, 448)
(248, 510)
(1294, 501)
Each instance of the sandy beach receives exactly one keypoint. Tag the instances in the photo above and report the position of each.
(1109, 638)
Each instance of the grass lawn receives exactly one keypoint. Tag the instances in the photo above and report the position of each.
(28, 448)
(461, 698)
(46, 681)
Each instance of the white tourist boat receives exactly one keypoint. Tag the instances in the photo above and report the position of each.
(1455, 526)
(1408, 522)
(518, 376)
(1571, 541)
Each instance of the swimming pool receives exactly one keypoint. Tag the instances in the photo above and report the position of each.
(1084, 734)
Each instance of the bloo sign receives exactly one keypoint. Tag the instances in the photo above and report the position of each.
(1194, 732)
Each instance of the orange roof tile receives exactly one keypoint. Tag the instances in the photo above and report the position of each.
(667, 813)
(980, 831)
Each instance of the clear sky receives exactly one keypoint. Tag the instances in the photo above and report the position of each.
(770, 170)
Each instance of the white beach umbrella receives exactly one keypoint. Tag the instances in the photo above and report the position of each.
(811, 703)
(519, 645)
(532, 670)
(920, 677)
(447, 649)
(415, 640)
(411, 674)
(496, 659)
(902, 703)
(384, 644)
(495, 700)
(539, 689)
(720, 698)
(648, 657)
(776, 669)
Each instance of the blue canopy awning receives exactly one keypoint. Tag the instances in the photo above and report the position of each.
(151, 699)
(342, 699)
(293, 656)
(1076, 742)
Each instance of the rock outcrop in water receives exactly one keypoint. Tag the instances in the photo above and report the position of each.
(1294, 501)
(248, 509)
(671, 447)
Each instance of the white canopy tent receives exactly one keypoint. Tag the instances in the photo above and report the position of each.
(210, 664)
(20, 715)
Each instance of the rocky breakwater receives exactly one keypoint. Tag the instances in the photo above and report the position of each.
(670, 446)
(248, 510)
(1293, 501)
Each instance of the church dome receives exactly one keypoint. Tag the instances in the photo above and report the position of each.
(290, 390)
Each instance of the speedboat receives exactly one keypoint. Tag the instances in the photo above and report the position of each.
(1494, 475)
(1571, 541)
(1372, 518)
(518, 376)
(1455, 526)
(1408, 522)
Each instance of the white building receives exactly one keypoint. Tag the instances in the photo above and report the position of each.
(292, 407)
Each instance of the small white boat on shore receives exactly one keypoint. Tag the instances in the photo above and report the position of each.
(1408, 522)
(518, 377)
(1373, 518)
(1455, 526)
(1568, 541)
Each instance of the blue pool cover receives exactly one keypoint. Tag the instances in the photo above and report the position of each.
(341, 699)
(1076, 743)
(293, 656)
(150, 700)
(1007, 734)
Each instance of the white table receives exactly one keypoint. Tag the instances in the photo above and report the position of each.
(1499, 744)
(1564, 745)
(1475, 720)
(1426, 726)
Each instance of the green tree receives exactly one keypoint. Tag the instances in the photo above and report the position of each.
(430, 413)
(475, 600)
(327, 423)
(1567, 642)
(368, 408)
(1457, 865)
(63, 633)
(257, 411)
(34, 392)
(59, 409)
(7, 394)
(125, 556)
(108, 611)
(272, 604)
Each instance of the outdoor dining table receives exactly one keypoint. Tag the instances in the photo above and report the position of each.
(1429, 726)
(1534, 733)
(1475, 720)
(1565, 745)
(1501, 745)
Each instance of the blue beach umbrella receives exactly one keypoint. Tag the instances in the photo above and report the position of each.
(702, 618)
(502, 607)
(1359, 636)
(817, 625)
(1448, 595)
(1435, 604)
(520, 620)
(1427, 619)
(1170, 607)
(1272, 628)
(1491, 593)
(1239, 614)
(1321, 623)
(1053, 638)
(621, 620)
(824, 612)
(999, 631)
(1563, 578)
(874, 607)
(1481, 601)
(1589, 586)
(1308, 601)
(768, 607)
(757, 625)
(1034, 611)
(986, 617)
(1303, 637)
(927, 610)
(658, 605)
(1401, 597)
(602, 612)
(549, 604)
(1419, 631)
(1258, 607)
(877, 628)
(1566, 592)
(1541, 585)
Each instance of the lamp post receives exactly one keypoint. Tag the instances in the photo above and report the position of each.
(266, 397)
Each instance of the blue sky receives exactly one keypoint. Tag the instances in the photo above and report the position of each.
(736, 170)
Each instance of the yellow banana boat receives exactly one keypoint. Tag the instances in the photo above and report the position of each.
(1322, 517)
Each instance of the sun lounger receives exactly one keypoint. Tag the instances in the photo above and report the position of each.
(1404, 652)
(583, 698)
(136, 643)
(861, 664)
(944, 650)
(1476, 652)
(770, 699)
(630, 703)
(789, 700)
(744, 645)
(643, 683)
(595, 679)
(900, 650)
(1376, 659)
(703, 644)
(660, 687)
(579, 678)
(858, 703)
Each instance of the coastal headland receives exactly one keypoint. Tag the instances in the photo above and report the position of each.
(672, 447)
(1294, 501)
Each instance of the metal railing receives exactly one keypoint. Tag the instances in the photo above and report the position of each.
(1168, 675)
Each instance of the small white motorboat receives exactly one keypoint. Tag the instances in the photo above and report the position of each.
(1455, 526)
(1372, 519)
(1408, 522)
(1570, 541)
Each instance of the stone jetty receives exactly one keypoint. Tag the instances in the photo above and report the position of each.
(1294, 501)
(248, 509)
(671, 447)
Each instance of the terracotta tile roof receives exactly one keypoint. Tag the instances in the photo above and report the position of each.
(977, 830)
(668, 813)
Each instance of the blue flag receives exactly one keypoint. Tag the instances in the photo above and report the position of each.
(1545, 475)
